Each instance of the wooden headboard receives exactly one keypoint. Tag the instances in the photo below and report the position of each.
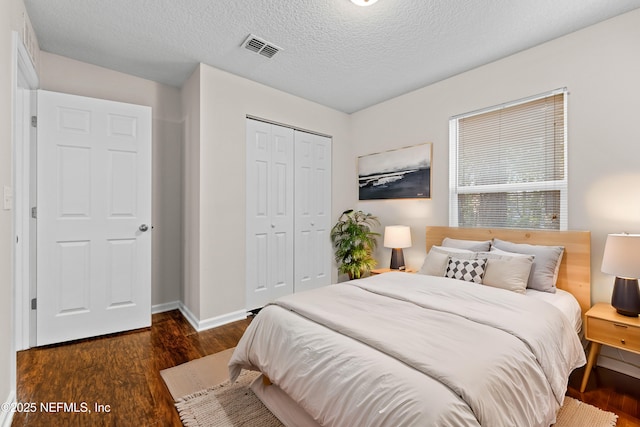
(575, 270)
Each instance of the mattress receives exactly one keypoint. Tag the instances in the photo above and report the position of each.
(403, 350)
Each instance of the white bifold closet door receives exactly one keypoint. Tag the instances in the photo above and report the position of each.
(269, 247)
(312, 211)
(288, 212)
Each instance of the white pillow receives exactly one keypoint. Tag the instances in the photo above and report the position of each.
(472, 245)
(435, 263)
(507, 272)
(496, 253)
(546, 264)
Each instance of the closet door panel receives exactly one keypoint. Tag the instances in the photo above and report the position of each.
(322, 173)
(282, 211)
(313, 207)
(269, 213)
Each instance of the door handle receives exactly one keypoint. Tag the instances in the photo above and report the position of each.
(143, 227)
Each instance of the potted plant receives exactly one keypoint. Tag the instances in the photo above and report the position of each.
(354, 242)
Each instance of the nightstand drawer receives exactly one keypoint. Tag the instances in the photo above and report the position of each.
(613, 333)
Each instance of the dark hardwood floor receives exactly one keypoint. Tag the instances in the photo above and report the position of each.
(611, 391)
(121, 372)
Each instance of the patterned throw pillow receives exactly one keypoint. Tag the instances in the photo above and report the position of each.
(470, 270)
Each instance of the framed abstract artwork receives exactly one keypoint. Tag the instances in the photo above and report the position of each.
(404, 173)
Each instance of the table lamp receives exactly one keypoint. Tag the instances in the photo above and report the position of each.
(397, 237)
(622, 259)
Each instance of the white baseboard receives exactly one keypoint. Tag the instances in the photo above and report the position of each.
(620, 361)
(167, 306)
(212, 322)
(7, 416)
(191, 318)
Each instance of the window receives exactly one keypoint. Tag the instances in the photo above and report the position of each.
(508, 165)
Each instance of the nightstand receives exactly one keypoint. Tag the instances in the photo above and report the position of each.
(388, 270)
(605, 326)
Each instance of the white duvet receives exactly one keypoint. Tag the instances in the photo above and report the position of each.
(414, 350)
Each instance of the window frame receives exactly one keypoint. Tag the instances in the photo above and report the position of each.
(555, 185)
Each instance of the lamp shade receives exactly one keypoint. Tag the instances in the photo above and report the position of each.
(621, 255)
(397, 236)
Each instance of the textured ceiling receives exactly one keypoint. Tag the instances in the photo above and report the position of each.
(335, 53)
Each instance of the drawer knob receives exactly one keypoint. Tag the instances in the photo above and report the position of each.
(622, 341)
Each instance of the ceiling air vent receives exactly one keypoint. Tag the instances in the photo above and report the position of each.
(263, 47)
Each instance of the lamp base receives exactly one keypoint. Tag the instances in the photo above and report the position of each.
(626, 297)
(397, 259)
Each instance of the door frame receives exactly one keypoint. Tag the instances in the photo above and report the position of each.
(23, 74)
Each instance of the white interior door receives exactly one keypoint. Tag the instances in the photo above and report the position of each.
(270, 210)
(94, 213)
(313, 211)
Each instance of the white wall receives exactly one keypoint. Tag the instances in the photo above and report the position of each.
(13, 17)
(225, 101)
(61, 74)
(191, 193)
(599, 65)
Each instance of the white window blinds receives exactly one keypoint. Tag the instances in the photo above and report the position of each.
(508, 165)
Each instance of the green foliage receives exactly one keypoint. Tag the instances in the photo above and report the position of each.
(354, 242)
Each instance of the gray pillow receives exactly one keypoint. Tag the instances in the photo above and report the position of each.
(546, 263)
(472, 245)
(510, 273)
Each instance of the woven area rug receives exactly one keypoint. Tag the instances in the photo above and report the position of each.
(221, 404)
(575, 413)
(197, 375)
(226, 405)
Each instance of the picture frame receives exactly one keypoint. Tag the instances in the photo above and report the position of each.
(403, 173)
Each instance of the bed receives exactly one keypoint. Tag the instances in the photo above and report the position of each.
(402, 349)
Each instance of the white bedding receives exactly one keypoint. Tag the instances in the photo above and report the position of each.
(430, 351)
(563, 301)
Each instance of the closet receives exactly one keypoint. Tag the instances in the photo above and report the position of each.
(288, 212)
